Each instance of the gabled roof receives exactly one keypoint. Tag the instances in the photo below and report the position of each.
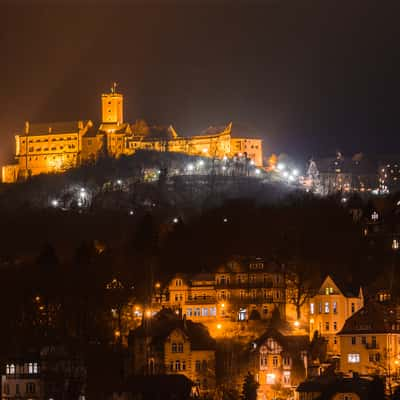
(289, 343)
(373, 318)
(346, 289)
(165, 322)
(329, 385)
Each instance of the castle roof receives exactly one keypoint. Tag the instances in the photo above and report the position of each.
(46, 128)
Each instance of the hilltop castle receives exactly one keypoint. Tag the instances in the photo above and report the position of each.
(44, 148)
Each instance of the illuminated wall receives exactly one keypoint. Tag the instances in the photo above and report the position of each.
(329, 310)
(50, 148)
(253, 148)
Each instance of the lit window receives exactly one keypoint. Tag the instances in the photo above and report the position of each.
(263, 361)
(286, 377)
(312, 308)
(353, 358)
(189, 312)
(326, 307)
(271, 379)
(204, 312)
(177, 365)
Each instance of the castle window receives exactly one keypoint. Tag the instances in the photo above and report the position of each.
(197, 312)
(326, 307)
(198, 365)
(177, 365)
(180, 347)
(275, 361)
(183, 365)
(174, 348)
(204, 365)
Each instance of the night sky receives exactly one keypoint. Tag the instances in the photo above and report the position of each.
(309, 77)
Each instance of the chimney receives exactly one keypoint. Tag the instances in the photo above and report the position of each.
(26, 127)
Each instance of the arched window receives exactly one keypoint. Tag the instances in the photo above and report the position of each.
(177, 365)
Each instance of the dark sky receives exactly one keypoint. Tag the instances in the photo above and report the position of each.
(310, 77)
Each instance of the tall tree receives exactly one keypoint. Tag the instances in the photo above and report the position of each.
(250, 387)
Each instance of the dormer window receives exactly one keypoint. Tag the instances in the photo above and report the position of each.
(328, 290)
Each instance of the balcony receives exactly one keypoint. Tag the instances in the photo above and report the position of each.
(246, 285)
(201, 301)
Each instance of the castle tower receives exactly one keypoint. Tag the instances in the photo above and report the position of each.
(112, 107)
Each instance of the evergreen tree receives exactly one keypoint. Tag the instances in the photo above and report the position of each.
(250, 387)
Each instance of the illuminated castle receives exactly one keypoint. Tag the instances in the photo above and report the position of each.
(44, 148)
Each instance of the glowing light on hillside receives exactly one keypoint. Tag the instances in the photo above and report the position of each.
(54, 203)
(190, 167)
(281, 166)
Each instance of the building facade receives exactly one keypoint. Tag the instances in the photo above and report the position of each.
(240, 290)
(370, 342)
(329, 310)
(280, 361)
(21, 380)
(44, 148)
(167, 344)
